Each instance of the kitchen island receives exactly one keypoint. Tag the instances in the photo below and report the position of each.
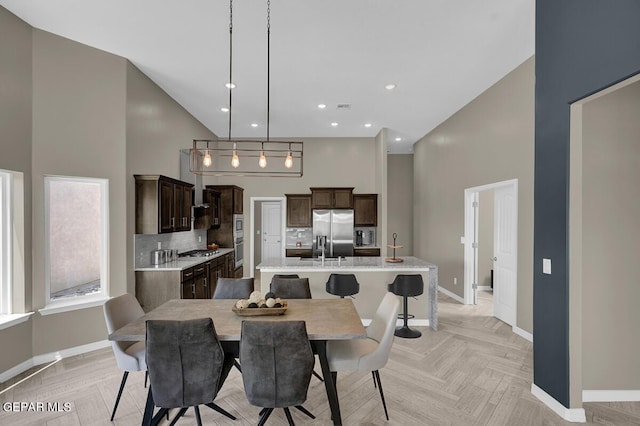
(373, 274)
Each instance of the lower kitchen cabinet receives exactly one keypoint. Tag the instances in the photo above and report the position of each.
(153, 288)
(366, 252)
(238, 273)
(298, 252)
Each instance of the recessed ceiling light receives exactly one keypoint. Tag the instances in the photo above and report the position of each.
(322, 106)
(398, 139)
(390, 86)
(334, 124)
(230, 86)
(224, 109)
(367, 125)
(254, 124)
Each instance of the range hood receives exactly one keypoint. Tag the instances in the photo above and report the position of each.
(199, 211)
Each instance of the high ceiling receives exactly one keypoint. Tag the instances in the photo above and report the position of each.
(440, 54)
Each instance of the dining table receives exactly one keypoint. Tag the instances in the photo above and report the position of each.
(325, 319)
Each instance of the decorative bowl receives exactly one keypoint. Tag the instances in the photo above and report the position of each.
(255, 312)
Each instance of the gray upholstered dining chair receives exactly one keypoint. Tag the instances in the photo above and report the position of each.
(291, 288)
(118, 312)
(187, 365)
(233, 288)
(372, 353)
(278, 362)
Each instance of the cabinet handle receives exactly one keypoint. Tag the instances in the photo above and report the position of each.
(188, 274)
(173, 222)
(193, 289)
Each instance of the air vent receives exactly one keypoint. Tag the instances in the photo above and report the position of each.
(344, 106)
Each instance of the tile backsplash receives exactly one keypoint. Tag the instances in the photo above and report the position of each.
(302, 235)
(144, 244)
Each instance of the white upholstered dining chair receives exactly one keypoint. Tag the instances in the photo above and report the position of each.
(372, 353)
(130, 356)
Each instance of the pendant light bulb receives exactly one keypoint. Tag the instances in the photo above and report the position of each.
(288, 162)
(262, 162)
(207, 159)
(235, 161)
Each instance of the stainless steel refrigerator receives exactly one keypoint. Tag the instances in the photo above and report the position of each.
(337, 226)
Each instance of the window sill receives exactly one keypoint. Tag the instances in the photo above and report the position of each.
(7, 321)
(66, 306)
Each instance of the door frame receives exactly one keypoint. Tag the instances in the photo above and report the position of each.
(252, 230)
(470, 236)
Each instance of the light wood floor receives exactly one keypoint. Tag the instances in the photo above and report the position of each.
(473, 371)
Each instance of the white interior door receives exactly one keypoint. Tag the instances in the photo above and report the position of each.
(271, 230)
(505, 241)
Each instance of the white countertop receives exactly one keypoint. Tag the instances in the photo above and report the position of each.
(348, 264)
(184, 262)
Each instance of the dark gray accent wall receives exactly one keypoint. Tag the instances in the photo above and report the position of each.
(582, 46)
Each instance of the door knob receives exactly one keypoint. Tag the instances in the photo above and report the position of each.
(495, 259)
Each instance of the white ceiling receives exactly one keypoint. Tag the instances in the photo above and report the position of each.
(440, 53)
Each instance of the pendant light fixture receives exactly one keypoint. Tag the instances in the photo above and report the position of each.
(203, 161)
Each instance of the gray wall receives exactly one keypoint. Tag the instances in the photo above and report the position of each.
(485, 237)
(78, 130)
(611, 241)
(15, 154)
(400, 204)
(257, 248)
(489, 140)
(157, 128)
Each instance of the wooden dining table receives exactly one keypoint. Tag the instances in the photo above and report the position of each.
(326, 319)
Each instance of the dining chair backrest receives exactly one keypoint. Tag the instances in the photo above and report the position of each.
(118, 312)
(233, 288)
(342, 285)
(185, 362)
(291, 288)
(381, 330)
(277, 362)
(286, 276)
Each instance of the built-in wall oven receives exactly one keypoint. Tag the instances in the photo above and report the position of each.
(238, 239)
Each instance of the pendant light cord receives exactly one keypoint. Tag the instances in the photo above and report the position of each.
(268, 64)
(230, 60)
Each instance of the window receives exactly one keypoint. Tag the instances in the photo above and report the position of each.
(76, 239)
(5, 243)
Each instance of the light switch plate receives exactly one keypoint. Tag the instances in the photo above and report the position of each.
(546, 266)
(461, 240)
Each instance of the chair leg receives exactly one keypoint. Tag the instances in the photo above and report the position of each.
(146, 377)
(265, 415)
(405, 331)
(115, 406)
(374, 379)
(305, 411)
(384, 404)
(289, 418)
(217, 408)
(198, 419)
(148, 411)
(177, 417)
(236, 364)
(318, 376)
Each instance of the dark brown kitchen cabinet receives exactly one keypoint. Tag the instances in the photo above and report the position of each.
(298, 252)
(212, 198)
(230, 204)
(194, 283)
(332, 198)
(299, 210)
(365, 210)
(366, 252)
(216, 269)
(163, 204)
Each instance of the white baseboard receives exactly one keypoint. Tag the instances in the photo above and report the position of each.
(484, 288)
(610, 395)
(51, 356)
(451, 295)
(522, 333)
(576, 415)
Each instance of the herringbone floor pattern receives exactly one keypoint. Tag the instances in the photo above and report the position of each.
(473, 371)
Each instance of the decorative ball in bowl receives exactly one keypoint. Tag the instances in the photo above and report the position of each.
(256, 305)
(212, 246)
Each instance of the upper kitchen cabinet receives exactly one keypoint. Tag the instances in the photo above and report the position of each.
(365, 210)
(238, 194)
(332, 198)
(299, 210)
(163, 204)
(214, 212)
(230, 204)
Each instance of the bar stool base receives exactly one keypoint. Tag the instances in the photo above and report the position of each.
(407, 333)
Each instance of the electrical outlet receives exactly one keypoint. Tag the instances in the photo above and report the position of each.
(199, 238)
(258, 232)
(455, 280)
(546, 266)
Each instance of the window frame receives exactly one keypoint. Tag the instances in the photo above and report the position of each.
(6, 240)
(89, 300)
